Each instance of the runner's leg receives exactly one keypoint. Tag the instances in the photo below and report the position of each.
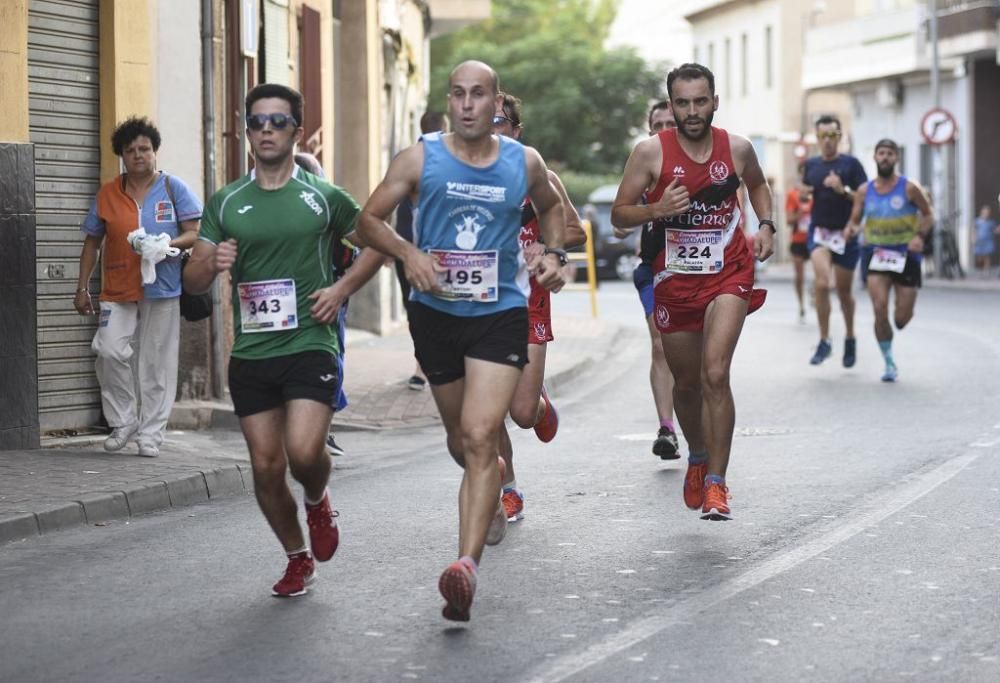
(844, 278)
(822, 262)
(799, 264)
(307, 423)
(527, 406)
(878, 291)
(683, 352)
(264, 433)
(489, 388)
(661, 381)
(906, 300)
(724, 318)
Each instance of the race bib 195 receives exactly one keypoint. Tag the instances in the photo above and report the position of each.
(471, 275)
(268, 306)
(695, 252)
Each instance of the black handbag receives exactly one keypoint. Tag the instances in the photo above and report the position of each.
(194, 307)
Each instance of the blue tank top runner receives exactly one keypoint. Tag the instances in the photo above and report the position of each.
(469, 218)
(891, 219)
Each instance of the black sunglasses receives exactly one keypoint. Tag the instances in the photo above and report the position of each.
(499, 121)
(278, 121)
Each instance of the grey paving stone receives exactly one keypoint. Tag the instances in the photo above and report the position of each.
(16, 527)
(224, 481)
(60, 517)
(147, 498)
(187, 490)
(103, 507)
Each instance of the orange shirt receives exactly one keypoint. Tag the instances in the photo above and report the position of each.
(793, 203)
(113, 216)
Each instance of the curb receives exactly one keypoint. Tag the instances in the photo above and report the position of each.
(111, 506)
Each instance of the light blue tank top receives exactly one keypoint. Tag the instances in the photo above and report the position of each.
(475, 215)
(891, 218)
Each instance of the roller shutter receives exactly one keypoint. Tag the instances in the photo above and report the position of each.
(64, 120)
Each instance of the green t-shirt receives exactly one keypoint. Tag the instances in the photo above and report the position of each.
(284, 238)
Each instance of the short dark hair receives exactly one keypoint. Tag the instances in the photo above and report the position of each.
(827, 119)
(887, 142)
(690, 72)
(662, 104)
(131, 128)
(511, 108)
(283, 92)
(432, 121)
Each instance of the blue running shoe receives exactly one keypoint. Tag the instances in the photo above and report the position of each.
(823, 352)
(850, 352)
(890, 373)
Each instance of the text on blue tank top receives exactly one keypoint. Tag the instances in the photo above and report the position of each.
(473, 211)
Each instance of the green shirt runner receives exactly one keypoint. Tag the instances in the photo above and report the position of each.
(284, 253)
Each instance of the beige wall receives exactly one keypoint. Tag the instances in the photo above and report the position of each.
(14, 70)
(326, 69)
(126, 71)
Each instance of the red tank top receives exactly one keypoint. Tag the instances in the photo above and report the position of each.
(530, 232)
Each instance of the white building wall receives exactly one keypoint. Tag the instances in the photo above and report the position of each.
(176, 92)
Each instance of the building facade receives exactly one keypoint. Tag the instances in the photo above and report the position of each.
(70, 70)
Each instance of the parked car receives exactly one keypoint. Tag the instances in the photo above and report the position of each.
(614, 258)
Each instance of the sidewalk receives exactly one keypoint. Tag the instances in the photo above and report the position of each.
(69, 482)
(783, 272)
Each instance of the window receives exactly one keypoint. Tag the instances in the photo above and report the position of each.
(768, 61)
(711, 57)
(743, 65)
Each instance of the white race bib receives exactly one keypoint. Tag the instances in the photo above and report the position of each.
(888, 260)
(268, 306)
(695, 252)
(831, 239)
(471, 276)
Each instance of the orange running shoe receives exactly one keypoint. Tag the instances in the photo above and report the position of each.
(716, 507)
(548, 424)
(513, 503)
(458, 586)
(694, 485)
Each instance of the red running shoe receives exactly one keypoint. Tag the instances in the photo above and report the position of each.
(694, 485)
(716, 505)
(458, 586)
(548, 425)
(299, 575)
(324, 537)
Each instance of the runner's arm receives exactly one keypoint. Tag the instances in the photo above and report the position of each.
(925, 224)
(575, 236)
(857, 211)
(551, 221)
(758, 191)
(401, 180)
(627, 212)
(328, 300)
(200, 271)
(188, 234)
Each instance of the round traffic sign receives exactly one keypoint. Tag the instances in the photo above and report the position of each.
(938, 127)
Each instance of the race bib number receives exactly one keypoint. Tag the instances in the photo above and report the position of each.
(888, 260)
(268, 306)
(831, 239)
(695, 252)
(471, 276)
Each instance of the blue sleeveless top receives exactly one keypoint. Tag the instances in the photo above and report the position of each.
(464, 208)
(891, 218)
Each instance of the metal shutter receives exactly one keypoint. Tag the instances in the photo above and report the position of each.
(64, 120)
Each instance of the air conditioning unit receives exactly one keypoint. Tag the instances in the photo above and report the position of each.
(890, 93)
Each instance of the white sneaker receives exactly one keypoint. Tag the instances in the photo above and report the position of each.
(119, 437)
(498, 526)
(148, 450)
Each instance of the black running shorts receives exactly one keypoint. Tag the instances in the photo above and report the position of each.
(262, 384)
(910, 277)
(442, 342)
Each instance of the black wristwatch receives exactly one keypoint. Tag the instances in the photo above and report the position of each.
(561, 253)
(769, 223)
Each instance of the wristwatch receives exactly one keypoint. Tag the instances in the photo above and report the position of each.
(769, 223)
(561, 253)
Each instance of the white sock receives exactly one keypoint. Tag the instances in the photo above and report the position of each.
(313, 503)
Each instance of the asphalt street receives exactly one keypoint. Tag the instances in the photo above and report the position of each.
(863, 545)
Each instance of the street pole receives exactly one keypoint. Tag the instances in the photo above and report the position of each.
(937, 167)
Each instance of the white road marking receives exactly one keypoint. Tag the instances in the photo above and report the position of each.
(568, 665)
(636, 437)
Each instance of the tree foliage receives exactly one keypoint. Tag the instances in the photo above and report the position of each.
(583, 104)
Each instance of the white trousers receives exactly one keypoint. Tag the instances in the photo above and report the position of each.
(152, 325)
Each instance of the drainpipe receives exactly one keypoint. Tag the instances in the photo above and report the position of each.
(208, 150)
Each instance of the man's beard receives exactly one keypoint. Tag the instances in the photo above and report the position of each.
(705, 129)
(885, 170)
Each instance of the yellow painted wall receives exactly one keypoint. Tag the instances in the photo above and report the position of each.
(126, 71)
(14, 70)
